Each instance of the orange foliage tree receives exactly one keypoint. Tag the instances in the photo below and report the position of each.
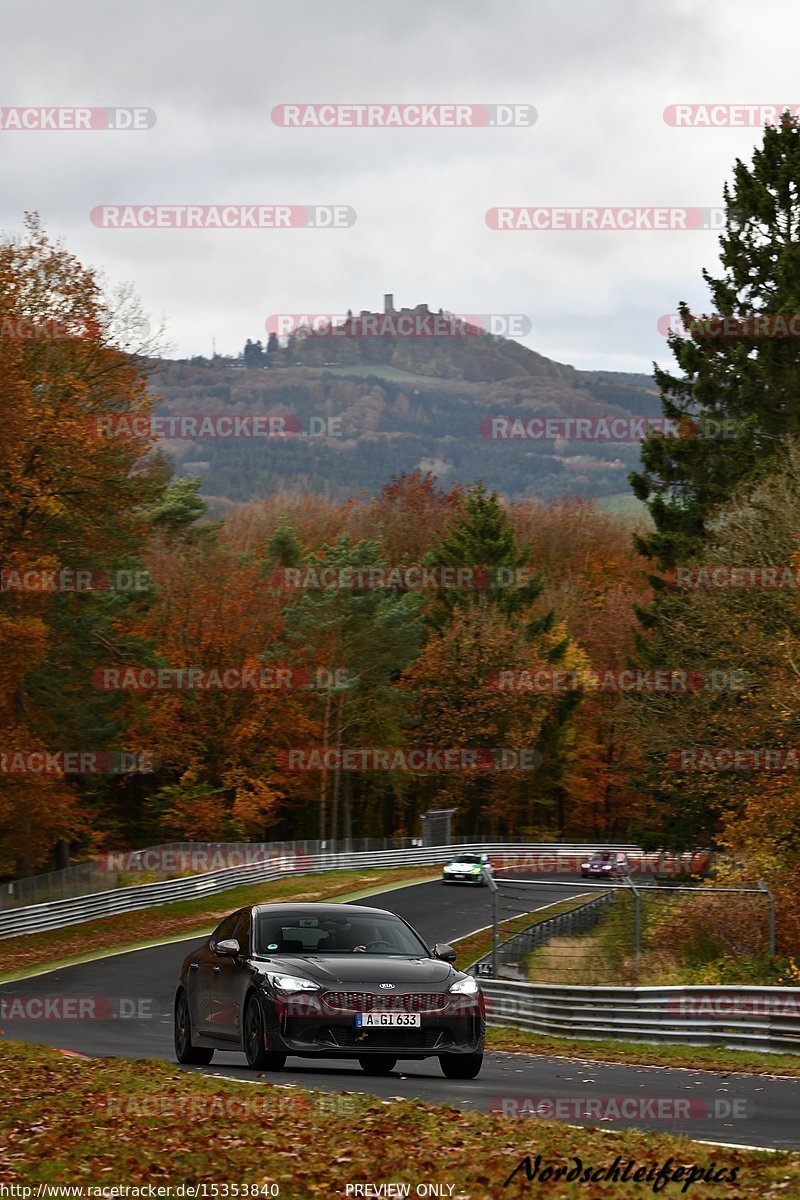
(70, 497)
(214, 612)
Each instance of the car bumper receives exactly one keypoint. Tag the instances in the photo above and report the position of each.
(460, 1029)
(473, 879)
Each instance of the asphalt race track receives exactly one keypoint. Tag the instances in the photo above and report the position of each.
(132, 996)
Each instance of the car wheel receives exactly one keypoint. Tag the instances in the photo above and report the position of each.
(377, 1064)
(258, 1057)
(185, 1052)
(461, 1066)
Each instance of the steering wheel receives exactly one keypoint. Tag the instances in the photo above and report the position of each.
(376, 945)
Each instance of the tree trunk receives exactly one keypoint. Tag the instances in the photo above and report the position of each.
(348, 827)
(336, 773)
(323, 783)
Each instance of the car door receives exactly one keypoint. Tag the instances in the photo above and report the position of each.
(202, 979)
(230, 980)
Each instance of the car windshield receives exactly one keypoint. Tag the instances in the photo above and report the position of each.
(467, 858)
(299, 933)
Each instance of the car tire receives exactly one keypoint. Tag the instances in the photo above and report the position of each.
(377, 1064)
(185, 1052)
(460, 1066)
(256, 1053)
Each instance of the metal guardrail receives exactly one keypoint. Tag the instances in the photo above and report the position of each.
(40, 918)
(171, 860)
(739, 1018)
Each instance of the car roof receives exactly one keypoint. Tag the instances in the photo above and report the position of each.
(310, 908)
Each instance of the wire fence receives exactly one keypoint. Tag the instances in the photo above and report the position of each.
(625, 934)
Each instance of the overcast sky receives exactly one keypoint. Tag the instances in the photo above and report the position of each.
(599, 73)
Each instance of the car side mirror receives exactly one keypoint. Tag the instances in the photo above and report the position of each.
(228, 948)
(444, 952)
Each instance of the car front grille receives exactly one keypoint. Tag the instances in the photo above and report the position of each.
(347, 1037)
(369, 1002)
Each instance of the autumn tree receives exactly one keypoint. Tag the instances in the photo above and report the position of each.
(217, 739)
(71, 497)
(362, 638)
(407, 515)
(594, 579)
(461, 701)
(741, 646)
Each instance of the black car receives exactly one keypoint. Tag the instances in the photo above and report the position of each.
(327, 981)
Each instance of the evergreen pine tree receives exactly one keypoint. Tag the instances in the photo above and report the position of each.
(747, 384)
(483, 537)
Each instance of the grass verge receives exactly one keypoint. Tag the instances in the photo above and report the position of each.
(652, 1054)
(76, 943)
(111, 1122)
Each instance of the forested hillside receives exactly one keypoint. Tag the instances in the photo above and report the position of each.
(360, 423)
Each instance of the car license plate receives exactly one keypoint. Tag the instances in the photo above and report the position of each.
(379, 1020)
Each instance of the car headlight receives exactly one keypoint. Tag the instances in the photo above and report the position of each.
(291, 983)
(466, 986)
(584, 866)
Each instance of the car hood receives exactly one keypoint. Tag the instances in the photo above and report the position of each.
(362, 968)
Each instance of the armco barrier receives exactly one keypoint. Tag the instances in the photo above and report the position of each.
(740, 1018)
(39, 918)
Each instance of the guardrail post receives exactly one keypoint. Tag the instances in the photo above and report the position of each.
(771, 900)
(637, 925)
(495, 914)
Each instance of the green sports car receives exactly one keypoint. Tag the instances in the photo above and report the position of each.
(467, 868)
